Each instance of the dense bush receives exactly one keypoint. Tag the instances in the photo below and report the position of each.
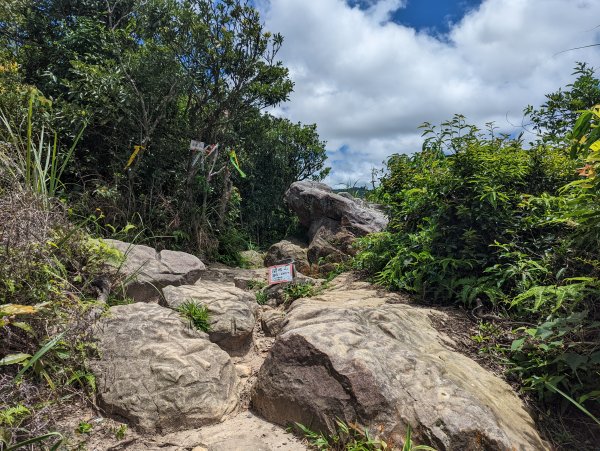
(484, 221)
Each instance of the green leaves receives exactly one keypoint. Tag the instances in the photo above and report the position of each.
(197, 315)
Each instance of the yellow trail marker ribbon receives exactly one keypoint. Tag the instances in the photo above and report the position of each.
(136, 150)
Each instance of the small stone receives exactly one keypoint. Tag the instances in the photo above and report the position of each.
(243, 371)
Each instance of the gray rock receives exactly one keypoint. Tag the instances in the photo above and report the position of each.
(146, 271)
(158, 373)
(284, 250)
(312, 201)
(217, 272)
(252, 258)
(244, 432)
(231, 311)
(334, 221)
(347, 354)
(271, 321)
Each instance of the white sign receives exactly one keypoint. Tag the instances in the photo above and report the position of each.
(281, 273)
(196, 145)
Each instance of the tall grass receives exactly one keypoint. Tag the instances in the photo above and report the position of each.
(34, 161)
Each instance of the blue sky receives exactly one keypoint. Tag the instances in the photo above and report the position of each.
(369, 72)
(432, 15)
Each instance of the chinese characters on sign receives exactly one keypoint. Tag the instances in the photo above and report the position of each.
(281, 274)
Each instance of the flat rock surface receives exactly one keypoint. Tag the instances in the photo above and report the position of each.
(158, 373)
(147, 271)
(363, 355)
(245, 432)
(218, 272)
(231, 311)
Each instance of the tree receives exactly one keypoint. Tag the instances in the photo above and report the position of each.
(150, 76)
(557, 116)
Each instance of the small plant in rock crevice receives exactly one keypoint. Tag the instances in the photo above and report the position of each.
(261, 297)
(84, 427)
(298, 290)
(120, 432)
(197, 315)
(352, 437)
(256, 284)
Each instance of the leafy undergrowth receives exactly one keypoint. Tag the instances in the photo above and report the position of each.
(197, 315)
(509, 232)
(48, 287)
(353, 437)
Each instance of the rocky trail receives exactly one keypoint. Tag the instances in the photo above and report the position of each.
(352, 352)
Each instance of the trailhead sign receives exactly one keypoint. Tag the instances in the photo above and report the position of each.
(281, 273)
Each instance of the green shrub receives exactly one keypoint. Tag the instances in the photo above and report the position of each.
(352, 437)
(261, 297)
(256, 284)
(299, 290)
(197, 315)
(346, 437)
(478, 219)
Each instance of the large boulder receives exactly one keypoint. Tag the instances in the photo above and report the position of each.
(313, 201)
(252, 259)
(364, 356)
(147, 271)
(231, 311)
(333, 221)
(286, 250)
(158, 373)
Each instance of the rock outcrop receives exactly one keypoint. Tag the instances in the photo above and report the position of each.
(252, 259)
(231, 311)
(271, 321)
(147, 271)
(333, 221)
(286, 250)
(361, 355)
(158, 373)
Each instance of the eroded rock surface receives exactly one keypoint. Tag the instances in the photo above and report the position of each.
(284, 250)
(362, 355)
(271, 321)
(158, 373)
(245, 432)
(231, 311)
(147, 271)
(333, 220)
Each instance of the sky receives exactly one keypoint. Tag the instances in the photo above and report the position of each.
(369, 72)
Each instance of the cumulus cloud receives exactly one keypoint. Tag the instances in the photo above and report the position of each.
(369, 82)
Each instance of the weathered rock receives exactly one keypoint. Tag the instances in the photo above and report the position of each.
(276, 293)
(331, 244)
(250, 283)
(147, 271)
(334, 221)
(347, 354)
(158, 373)
(284, 250)
(231, 311)
(217, 272)
(312, 201)
(253, 259)
(245, 432)
(271, 321)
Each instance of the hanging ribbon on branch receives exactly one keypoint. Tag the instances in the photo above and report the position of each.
(236, 164)
(136, 150)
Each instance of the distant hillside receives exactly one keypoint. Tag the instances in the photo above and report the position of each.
(360, 192)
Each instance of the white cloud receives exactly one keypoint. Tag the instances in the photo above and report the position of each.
(368, 82)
